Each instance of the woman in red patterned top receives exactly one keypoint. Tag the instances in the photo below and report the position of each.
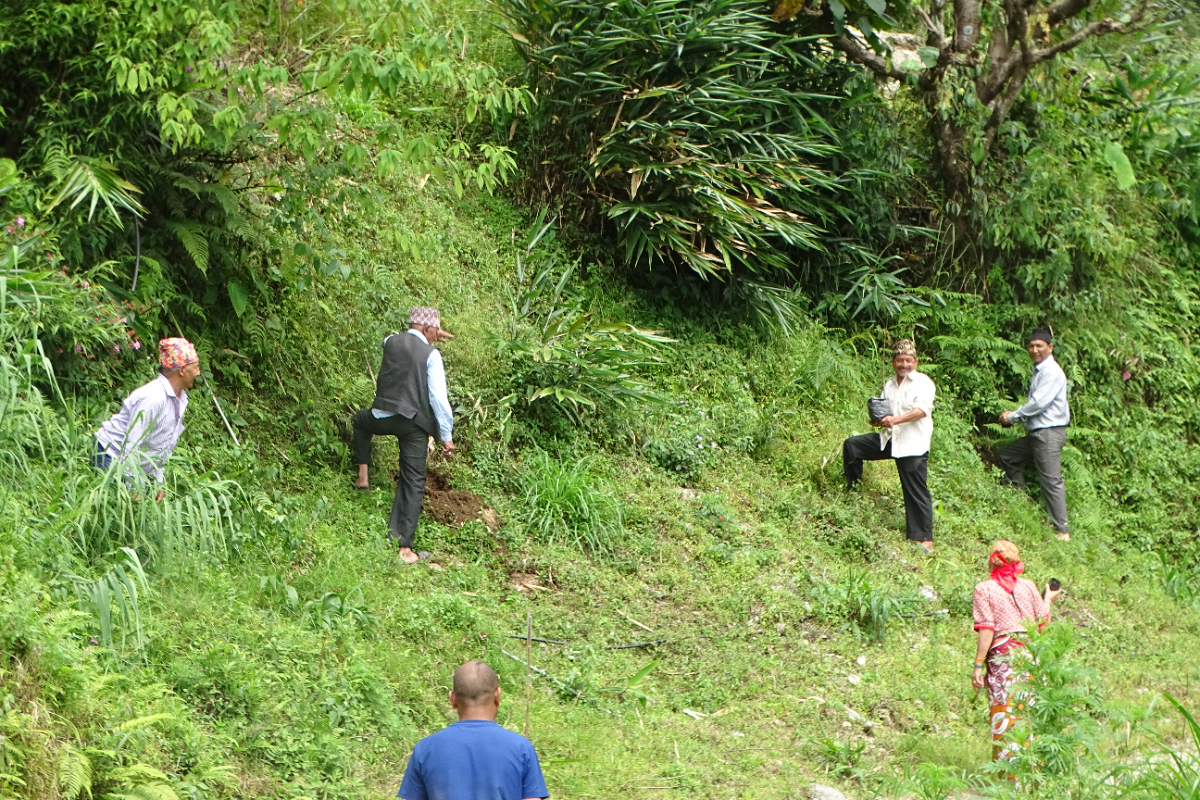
(1004, 605)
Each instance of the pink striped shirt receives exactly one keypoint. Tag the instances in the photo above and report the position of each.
(997, 610)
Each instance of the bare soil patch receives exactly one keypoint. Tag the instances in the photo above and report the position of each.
(453, 507)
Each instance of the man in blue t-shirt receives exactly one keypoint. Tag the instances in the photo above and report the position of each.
(474, 759)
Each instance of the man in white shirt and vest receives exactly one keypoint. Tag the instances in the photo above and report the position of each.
(143, 434)
(1045, 416)
(411, 403)
(905, 438)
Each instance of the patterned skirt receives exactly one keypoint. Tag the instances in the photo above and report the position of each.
(1003, 702)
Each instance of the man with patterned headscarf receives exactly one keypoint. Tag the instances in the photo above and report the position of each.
(142, 435)
(905, 438)
(411, 403)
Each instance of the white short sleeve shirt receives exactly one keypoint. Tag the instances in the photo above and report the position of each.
(909, 438)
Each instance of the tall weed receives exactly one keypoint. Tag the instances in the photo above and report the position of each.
(566, 504)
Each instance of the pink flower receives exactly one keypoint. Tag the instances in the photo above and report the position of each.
(85, 284)
(78, 348)
(1126, 375)
(137, 345)
(20, 222)
(116, 348)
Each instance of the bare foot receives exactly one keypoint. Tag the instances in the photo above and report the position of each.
(364, 479)
(1063, 537)
(927, 545)
(408, 556)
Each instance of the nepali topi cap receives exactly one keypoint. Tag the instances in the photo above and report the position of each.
(904, 347)
(419, 315)
(176, 354)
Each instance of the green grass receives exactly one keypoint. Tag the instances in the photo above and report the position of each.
(309, 661)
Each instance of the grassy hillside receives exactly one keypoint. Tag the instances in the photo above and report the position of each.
(256, 636)
(310, 661)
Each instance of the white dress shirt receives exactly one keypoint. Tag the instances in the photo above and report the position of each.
(1047, 406)
(143, 434)
(909, 438)
(439, 398)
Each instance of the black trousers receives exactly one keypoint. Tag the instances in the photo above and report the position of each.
(914, 473)
(410, 488)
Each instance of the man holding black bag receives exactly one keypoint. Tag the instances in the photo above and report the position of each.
(907, 431)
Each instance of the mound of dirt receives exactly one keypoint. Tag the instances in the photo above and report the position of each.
(451, 507)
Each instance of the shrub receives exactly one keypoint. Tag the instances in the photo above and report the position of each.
(696, 127)
(558, 355)
(566, 505)
(863, 608)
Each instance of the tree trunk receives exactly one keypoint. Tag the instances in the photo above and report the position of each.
(951, 165)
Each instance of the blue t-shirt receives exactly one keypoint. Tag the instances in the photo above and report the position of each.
(473, 759)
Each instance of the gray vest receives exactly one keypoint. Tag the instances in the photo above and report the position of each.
(403, 385)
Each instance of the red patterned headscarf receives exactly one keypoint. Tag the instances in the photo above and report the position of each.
(1005, 561)
(175, 354)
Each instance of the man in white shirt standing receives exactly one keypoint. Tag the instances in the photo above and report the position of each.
(1045, 416)
(905, 438)
(142, 435)
(411, 403)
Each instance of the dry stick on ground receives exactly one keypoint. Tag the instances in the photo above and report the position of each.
(553, 680)
(528, 672)
(634, 621)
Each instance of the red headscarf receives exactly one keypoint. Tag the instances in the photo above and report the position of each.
(1005, 560)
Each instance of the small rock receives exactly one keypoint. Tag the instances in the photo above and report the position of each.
(687, 494)
(489, 517)
(780, 628)
(862, 661)
(819, 792)
(927, 592)
(854, 679)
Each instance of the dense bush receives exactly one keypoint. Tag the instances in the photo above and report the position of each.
(697, 128)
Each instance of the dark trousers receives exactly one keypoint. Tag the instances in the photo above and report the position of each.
(101, 459)
(410, 488)
(913, 470)
(1044, 446)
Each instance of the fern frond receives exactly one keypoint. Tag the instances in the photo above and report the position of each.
(74, 773)
(193, 240)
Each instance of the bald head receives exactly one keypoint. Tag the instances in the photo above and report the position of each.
(475, 684)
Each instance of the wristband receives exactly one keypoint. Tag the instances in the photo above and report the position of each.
(978, 666)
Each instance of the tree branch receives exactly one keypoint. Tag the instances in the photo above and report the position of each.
(862, 54)
(1000, 111)
(1100, 28)
(1064, 10)
(935, 38)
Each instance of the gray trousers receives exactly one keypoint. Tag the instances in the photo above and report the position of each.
(410, 488)
(1044, 446)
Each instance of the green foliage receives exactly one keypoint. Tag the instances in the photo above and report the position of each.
(698, 129)
(119, 585)
(557, 355)
(568, 504)
(1171, 771)
(859, 605)
(1180, 582)
(841, 757)
(1057, 697)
